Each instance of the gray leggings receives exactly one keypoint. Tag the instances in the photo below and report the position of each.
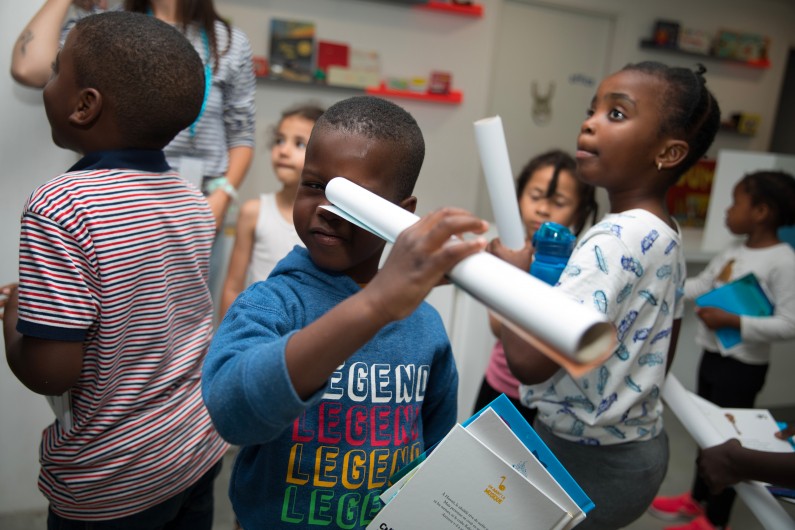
(621, 479)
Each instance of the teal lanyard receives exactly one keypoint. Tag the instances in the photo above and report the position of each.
(208, 77)
(208, 82)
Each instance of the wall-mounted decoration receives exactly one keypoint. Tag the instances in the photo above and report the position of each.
(541, 106)
(582, 79)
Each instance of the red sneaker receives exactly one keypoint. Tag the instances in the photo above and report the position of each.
(699, 523)
(678, 507)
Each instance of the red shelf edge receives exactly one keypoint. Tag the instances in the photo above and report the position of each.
(761, 64)
(474, 10)
(453, 98)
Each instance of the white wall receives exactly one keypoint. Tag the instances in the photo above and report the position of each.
(27, 159)
(410, 42)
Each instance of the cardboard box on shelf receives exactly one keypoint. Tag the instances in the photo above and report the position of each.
(695, 41)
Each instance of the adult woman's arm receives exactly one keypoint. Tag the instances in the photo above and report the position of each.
(38, 44)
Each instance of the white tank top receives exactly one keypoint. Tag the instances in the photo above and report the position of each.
(274, 238)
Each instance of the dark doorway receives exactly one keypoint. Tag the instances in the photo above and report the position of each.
(783, 140)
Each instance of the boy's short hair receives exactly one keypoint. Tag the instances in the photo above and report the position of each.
(379, 119)
(146, 69)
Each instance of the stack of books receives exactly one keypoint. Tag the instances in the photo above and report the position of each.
(490, 472)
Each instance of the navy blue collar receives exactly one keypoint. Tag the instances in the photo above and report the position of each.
(150, 160)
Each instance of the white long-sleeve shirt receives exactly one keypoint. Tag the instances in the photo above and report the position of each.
(774, 267)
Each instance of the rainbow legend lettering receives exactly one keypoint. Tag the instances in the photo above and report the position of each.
(365, 429)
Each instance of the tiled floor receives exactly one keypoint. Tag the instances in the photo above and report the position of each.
(680, 473)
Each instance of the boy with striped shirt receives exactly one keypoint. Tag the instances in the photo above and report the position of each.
(113, 304)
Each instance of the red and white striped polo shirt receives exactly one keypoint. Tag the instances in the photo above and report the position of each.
(119, 259)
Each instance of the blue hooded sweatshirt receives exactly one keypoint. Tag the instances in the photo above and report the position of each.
(322, 463)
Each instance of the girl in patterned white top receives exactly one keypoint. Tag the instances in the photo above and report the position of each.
(646, 125)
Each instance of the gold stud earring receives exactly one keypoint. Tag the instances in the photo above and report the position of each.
(659, 166)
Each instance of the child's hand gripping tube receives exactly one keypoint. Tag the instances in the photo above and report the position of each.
(576, 336)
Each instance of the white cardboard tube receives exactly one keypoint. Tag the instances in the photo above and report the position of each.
(496, 164)
(580, 334)
(760, 501)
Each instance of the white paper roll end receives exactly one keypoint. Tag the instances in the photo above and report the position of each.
(485, 122)
(596, 343)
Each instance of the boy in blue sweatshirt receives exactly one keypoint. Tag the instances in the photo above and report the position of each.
(333, 374)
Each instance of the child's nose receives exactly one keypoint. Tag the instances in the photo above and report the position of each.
(542, 207)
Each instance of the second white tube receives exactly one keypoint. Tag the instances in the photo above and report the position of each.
(496, 163)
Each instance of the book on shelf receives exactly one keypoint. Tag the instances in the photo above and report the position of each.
(331, 54)
(743, 296)
(490, 472)
(362, 70)
(292, 45)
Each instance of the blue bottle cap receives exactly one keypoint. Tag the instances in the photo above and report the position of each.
(554, 240)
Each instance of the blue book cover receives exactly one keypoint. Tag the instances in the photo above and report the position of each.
(528, 436)
(743, 296)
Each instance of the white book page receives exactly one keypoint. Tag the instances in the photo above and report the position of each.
(494, 434)
(464, 485)
(755, 428)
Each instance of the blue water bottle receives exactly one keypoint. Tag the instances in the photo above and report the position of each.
(553, 244)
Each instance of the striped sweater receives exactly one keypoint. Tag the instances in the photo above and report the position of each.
(118, 259)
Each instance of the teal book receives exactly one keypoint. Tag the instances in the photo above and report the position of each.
(743, 296)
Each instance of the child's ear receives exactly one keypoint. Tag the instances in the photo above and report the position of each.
(672, 155)
(88, 109)
(409, 203)
(761, 213)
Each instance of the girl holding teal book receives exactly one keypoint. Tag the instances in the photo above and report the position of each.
(732, 372)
